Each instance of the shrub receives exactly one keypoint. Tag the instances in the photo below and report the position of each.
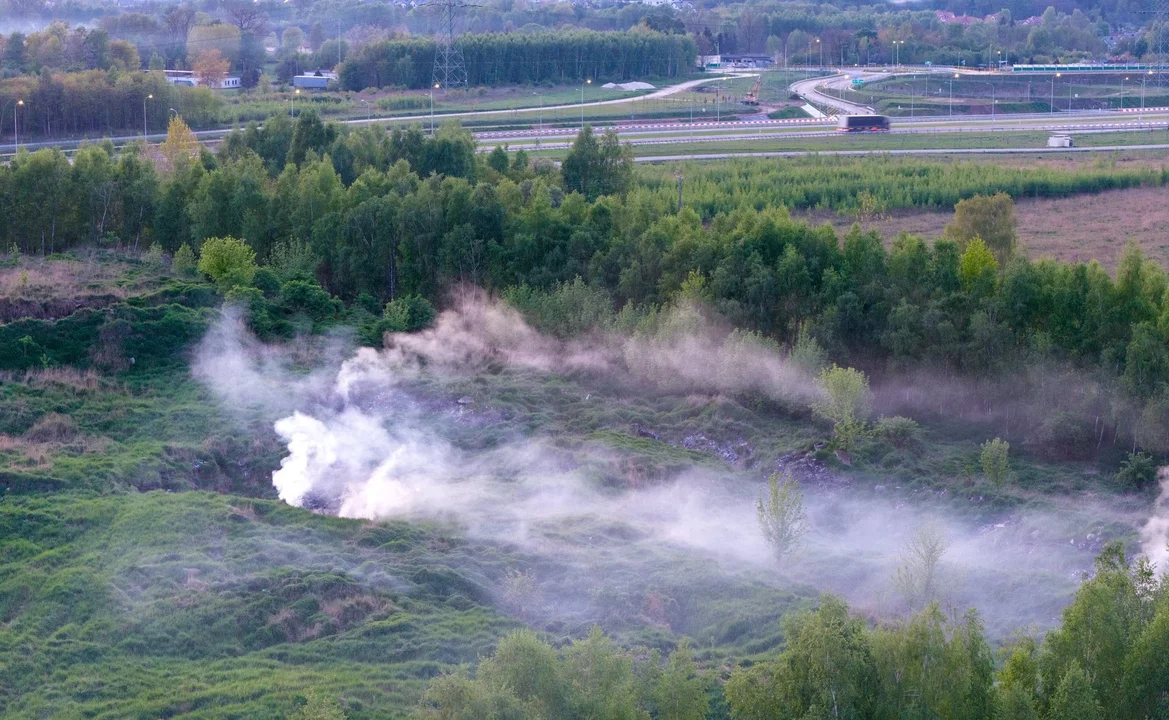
(369, 303)
(293, 260)
(897, 431)
(409, 314)
(183, 262)
(847, 403)
(995, 460)
(1138, 470)
(309, 298)
(267, 282)
(257, 310)
(1064, 436)
(570, 309)
(228, 261)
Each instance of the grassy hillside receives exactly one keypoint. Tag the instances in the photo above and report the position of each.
(147, 570)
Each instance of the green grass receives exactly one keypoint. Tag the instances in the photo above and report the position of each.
(930, 94)
(845, 142)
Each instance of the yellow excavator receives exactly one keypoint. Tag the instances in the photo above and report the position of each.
(752, 97)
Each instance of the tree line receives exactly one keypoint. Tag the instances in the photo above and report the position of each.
(387, 214)
(96, 101)
(1105, 660)
(511, 58)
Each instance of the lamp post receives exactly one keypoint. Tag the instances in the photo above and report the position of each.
(368, 112)
(1052, 103)
(588, 81)
(952, 94)
(148, 97)
(1141, 115)
(1122, 82)
(821, 46)
(15, 127)
(436, 87)
(540, 126)
(294, 94)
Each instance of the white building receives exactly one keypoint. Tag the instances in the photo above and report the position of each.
(188, 78)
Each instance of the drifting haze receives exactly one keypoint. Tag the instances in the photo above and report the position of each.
(1155, 533)
(371, 437)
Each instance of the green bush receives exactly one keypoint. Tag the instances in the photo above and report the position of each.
(228, 261)
(898, 431)
(1064, 436)
(183, 261)
(309, 298)
(267, 281)
(1138, 471)
(409, 314)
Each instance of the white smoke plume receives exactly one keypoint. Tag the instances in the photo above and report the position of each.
(371, 438)
(1155, 533)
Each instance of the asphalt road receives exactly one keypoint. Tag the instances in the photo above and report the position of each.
(9, 148)
(938, 151)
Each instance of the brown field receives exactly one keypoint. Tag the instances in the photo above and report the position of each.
(1079, 228)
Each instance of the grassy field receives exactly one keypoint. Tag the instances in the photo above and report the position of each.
(821, 141)
(929, 93)
(1073, 229)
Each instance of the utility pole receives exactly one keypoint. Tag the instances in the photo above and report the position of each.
(148, 97)
(588, 81)
(436, 86)
(15, 127)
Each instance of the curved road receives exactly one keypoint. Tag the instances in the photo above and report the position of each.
(664, 92)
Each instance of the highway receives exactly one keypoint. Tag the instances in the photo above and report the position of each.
(9, 148)
(815, 90)
(914, 151)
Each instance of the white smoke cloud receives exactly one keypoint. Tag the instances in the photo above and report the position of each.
(370, 438)
(1155, 533)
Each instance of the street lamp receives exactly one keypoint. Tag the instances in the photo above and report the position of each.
(368, 112)
(1141, 115)
(588, 81)
(15, 128)
(436, 87)
(821, 46)
(952, 94)
(1122, 82)
(1053, 77)
(148, 97)
(541, 125)
(293, 101)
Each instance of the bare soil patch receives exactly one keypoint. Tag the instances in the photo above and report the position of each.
(1071, 229)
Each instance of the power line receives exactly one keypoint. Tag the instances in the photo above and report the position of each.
(450, 70)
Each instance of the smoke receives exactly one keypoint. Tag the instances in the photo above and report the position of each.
(1155, 533)
(523, 439)
(688, 353)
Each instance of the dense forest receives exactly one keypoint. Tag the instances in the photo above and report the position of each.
(501, 59)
